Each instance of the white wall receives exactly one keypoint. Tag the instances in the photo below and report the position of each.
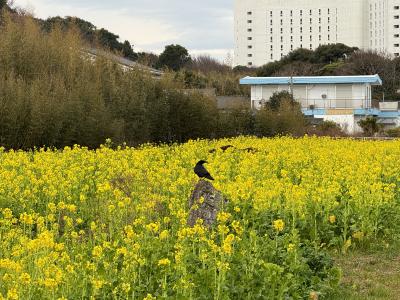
(346, 122)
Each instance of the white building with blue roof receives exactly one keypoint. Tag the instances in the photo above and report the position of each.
(341, 99)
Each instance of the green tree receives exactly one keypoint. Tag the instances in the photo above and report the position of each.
(86, 28)
(300, 54)
(278, 97)
(3, 3)
(270, 68)
(174, 57)
(127, 51)
(326, 54)
(108, 39)
(148, 59)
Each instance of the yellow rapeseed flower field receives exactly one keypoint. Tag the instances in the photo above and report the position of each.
(111, 223)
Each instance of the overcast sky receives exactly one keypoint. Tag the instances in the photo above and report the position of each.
(201, 26)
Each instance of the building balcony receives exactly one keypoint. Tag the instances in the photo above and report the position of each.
(313, 104)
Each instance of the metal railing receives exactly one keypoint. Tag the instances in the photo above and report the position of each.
(334, 103)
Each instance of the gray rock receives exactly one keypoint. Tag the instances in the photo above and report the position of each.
(205, 203)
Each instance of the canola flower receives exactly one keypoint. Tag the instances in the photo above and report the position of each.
(279, 225)
(112, 223)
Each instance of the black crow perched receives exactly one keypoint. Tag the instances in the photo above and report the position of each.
(201, 171)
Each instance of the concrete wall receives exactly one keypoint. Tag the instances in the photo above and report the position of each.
(231, 102)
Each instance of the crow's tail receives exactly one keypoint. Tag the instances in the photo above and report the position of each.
(208, 176)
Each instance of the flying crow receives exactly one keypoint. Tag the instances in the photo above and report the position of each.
(201, 171)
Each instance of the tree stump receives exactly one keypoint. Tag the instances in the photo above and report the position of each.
(204, 203)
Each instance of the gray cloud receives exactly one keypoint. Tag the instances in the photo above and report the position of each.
(201, 26)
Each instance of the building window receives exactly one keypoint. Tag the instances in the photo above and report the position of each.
(396, 7)
(249, 38)
(301, 12)
(310, 29)
(310, 21)
(319, 28)
(397, 54)
(329, 37)
(291, 13)
(272, 56)
(301, 45)
(272, 47)
(281, 30)
(396, 45)
(310, 46)
(249, 30)
(271, 30)
(270, 22)
(249, 47)
(396, 17)
(329, 11)
(281, 47)
(301, 38)
(301, 29)
(396, 35)
(249, 13)
(319, 37)
(281, 22)
(271, 39)
(291, 30)
(270, 13)
(310, 12)
(250, 63)
(291, 47)
(281, 13)
(301, 21)
(396, 26)
(319, 11)
(291, 38)
(310, 37)
(249, 55)
(249, 21)
(281, 39)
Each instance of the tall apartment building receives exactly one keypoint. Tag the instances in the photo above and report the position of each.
(266, 30)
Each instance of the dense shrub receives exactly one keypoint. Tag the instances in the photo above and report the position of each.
(52, 93)
(370, 126)
(395, 132)
(287, 119)
(326, 128)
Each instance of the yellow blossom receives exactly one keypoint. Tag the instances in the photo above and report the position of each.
(332, 219)
(279, 225)
(12, 294)
(25, 278)
(164, 262)
(164, 234)
(97, 251)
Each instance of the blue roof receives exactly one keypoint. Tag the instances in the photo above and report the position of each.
(372, 79)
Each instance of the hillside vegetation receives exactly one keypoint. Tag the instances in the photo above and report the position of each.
(52, 93)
